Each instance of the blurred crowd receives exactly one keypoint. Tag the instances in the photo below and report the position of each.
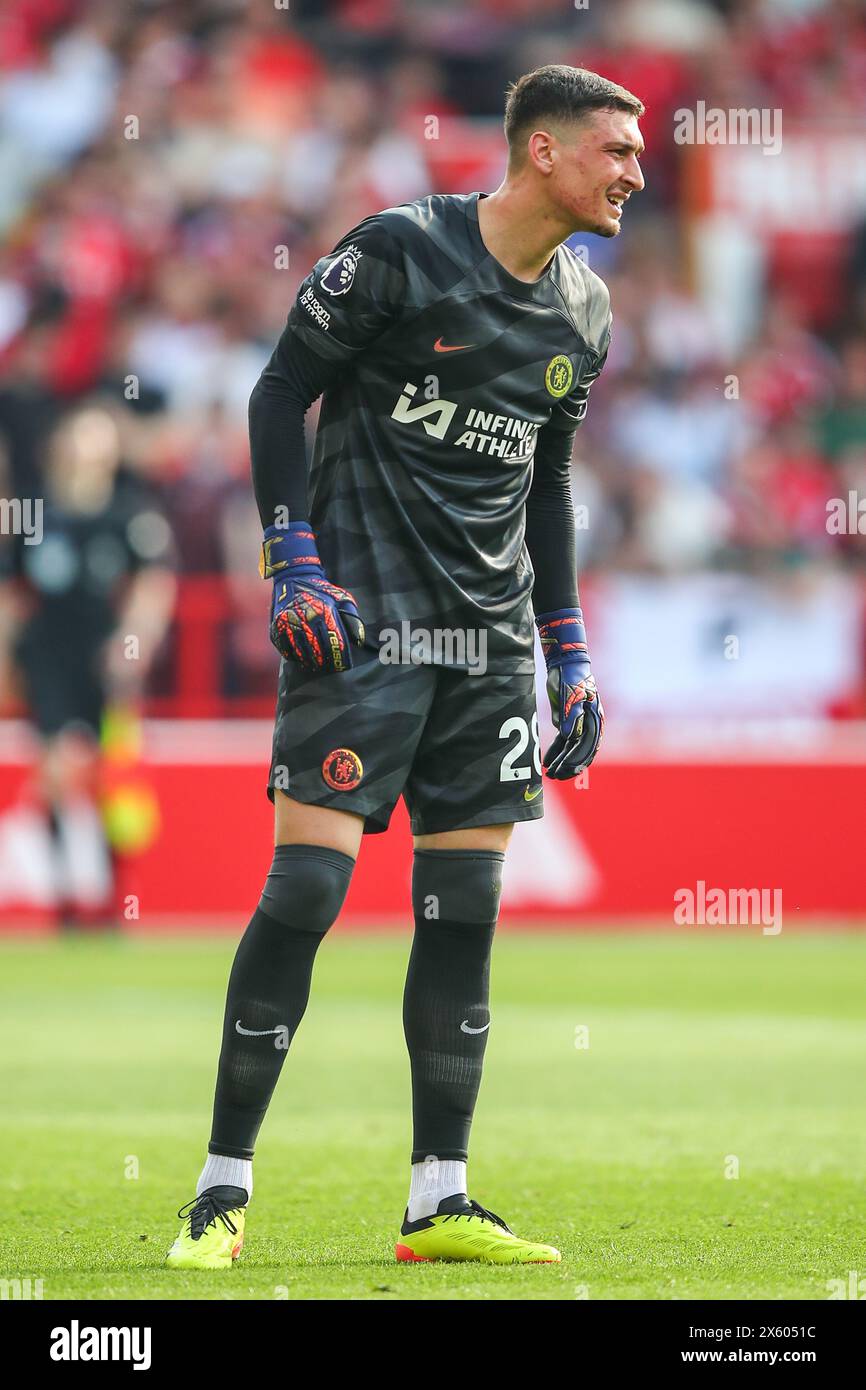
(155, 158)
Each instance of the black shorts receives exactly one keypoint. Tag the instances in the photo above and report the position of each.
(62, 686)
(461, 749)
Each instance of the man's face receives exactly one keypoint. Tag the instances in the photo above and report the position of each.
(596, 169)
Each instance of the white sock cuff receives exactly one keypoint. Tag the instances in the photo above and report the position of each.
(221, 1171)
(433, 1180)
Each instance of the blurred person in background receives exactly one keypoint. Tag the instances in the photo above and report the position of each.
(91, 603)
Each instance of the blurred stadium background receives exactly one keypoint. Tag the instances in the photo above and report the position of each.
(169, 172)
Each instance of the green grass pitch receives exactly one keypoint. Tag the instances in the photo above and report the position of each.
(706, 1051)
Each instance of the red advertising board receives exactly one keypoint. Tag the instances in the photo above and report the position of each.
(650, 823)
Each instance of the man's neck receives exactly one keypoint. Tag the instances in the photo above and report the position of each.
(517, 233)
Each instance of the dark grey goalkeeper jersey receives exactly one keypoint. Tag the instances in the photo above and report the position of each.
(424, 451)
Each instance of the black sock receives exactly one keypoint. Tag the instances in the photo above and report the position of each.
(455, 895)
(269, 986)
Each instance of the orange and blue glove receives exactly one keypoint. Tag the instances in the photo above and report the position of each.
(577, 711)
(313, 622)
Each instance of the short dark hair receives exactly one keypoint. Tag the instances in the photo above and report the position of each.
(558, 92)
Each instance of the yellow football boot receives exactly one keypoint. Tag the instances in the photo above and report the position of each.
(212, 1234)
(463, 1230)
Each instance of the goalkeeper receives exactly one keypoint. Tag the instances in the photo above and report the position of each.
(453, 341)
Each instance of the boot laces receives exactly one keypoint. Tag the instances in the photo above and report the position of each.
(205, 1211)
(477, 1210)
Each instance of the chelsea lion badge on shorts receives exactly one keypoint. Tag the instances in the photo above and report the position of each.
(342, 769)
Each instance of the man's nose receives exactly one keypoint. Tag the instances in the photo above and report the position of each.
(634, 175)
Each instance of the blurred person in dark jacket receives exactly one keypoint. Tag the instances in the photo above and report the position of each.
(92, 595)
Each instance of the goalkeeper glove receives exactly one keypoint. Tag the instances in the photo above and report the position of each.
(313, 621)
(577, 711)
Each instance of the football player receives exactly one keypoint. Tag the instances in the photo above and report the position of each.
(453, 341)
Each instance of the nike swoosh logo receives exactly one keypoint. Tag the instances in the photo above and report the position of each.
(257, 1032)
(439, 346)
(464, 1027)
(531, 795)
